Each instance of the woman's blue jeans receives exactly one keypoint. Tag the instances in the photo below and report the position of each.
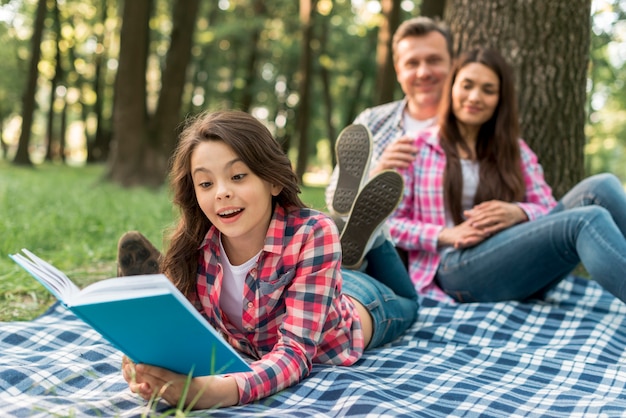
(588, 225)
(386, 291)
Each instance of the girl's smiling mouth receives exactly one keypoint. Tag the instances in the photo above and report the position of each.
(229, 213)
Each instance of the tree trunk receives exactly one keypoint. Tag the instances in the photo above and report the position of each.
(126, 165)
(98, 149)
(385, 74)
(357, 96)
(327, 94)
(22, 156)
(307, 10)
(3, 145)
(54, 83)
(168, 113)
(433, 8)
(142, 149)
(547, 43)
(250, 65)
(63, 132)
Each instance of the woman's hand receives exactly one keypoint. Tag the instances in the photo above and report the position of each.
(494, 216)
(202, 392)
(463, 235)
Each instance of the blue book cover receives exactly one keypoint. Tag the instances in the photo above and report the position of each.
(146, 317)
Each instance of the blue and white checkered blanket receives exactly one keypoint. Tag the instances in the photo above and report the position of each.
(562, 356)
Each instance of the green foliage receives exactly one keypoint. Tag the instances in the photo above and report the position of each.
(246, 55)
(606, 102)
(70, 217)
(250, 49)
(12, 70)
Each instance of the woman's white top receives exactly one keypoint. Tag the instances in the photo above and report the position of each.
(471, 175)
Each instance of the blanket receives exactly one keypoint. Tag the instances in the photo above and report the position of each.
(561, 356)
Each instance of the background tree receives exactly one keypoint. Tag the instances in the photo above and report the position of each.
(246, 54)
(143, 142)
(13, 66)
(258, 15)
(131, 150)
(98, 145)
(307, 13)
(22, 157)
(547, 43)
(433, 8)
(54, 84)
(12, 69)
(163, 126)
(606, 103)
(385, 75)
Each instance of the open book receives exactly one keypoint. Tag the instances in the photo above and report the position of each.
(146, 317)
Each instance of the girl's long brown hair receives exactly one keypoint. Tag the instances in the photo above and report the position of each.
(256, 147)
(497, 147)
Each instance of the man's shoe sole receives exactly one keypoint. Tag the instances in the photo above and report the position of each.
(376, 201)
(354, 152)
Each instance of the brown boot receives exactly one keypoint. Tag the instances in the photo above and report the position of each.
(136, 255)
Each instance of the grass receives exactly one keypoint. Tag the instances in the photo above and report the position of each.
(72, 218)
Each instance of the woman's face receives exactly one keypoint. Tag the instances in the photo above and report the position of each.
(475, 95)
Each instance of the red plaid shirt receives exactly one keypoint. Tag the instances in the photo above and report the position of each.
(294, 311)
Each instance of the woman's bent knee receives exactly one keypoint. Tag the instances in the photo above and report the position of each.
(604, 183)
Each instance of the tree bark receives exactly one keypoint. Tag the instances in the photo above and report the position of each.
(433, 8)
(327, 94)
(98, 149)
(54, 83)
(129, 107)
(22, 156)
(547, 44)
(250, 66)
(142, 144)
(168, 113)
(307, 10)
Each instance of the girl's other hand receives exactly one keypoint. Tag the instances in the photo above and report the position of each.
(202, 392)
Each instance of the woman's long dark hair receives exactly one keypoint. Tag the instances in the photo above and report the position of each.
(497, 147)
(256, 147)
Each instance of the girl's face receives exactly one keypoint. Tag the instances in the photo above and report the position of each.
(475, 95)
(236, 201)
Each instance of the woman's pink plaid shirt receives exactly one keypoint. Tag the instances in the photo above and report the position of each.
(420, 217)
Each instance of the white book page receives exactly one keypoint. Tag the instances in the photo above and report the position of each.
(121, 288)
(52, 278)
(118, 288)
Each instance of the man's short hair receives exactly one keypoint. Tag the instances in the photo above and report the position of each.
(420, 26)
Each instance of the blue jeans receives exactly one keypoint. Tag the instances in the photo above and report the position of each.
(588, 225)
(386, 291)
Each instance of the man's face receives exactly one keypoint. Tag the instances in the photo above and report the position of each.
(422, 65)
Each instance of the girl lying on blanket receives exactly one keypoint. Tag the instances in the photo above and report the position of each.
(266, 271)
(479, 221)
